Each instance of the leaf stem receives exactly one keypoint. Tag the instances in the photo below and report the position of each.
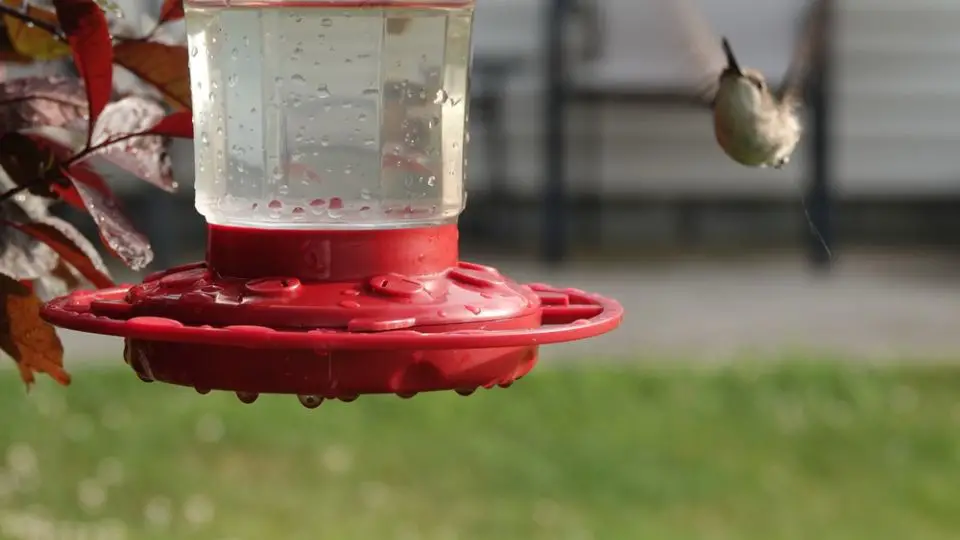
(43, 25)
(97, 147)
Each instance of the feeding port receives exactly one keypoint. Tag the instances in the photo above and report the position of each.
(329, 140)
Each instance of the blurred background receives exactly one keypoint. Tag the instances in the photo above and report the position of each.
(759, 388)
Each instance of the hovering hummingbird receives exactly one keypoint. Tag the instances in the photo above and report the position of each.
(755, 125)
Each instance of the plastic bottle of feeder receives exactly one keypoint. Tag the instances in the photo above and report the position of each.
(329, 114)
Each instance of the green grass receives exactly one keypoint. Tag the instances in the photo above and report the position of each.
(787, 452)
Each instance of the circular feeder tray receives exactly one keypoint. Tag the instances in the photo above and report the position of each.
(464, 328)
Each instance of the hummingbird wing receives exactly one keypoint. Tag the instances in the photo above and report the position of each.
(811, 43)
(699, 42)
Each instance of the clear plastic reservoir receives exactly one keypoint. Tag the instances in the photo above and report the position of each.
(323, 114)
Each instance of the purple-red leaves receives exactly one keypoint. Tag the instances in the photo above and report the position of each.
(89, 37)
(43, 163)
(41, 101)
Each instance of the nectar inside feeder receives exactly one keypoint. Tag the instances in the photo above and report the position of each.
(329, 166)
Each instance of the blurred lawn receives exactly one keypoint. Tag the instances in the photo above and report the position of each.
(787, 452)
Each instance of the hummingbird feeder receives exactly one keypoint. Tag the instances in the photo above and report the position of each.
(329, 166)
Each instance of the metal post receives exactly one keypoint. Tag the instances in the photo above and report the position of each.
(555, 203)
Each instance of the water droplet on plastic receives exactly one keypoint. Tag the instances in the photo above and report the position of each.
(370, 141)
(296, 77)
(317, 206)
(370, 91)
(235, 53)
(431, 181)
(324, 141)
(365, 194)
(362, 117)
(283, 189)
(232, 81)
(326, 22)
(310, 402)
(441, 97)
(194, 51)
(323, 91)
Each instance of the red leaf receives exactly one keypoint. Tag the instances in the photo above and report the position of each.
(172, 10)
(71, 246)
(178, 124)
(89, 37)
(164, 66)
(116, 231)
(41, 101)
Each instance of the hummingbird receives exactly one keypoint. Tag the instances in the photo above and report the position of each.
(755, 125)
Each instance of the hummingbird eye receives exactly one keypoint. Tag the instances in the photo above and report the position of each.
(757, 83)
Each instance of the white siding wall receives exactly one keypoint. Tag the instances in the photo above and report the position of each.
(896, 98)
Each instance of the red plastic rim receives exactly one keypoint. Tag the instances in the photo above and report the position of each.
(567, 315)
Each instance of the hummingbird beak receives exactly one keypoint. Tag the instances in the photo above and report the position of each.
(732, 65)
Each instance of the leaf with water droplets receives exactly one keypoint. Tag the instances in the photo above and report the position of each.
(34, 41)
(164, 66)
(41, 101)
(145, 156)
(28, 339)
(116, 231)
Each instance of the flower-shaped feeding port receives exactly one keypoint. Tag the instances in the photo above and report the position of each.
(329, 166)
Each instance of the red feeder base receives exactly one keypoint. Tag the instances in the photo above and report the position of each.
(326, 314)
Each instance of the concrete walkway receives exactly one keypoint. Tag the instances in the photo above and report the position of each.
(880, 307)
